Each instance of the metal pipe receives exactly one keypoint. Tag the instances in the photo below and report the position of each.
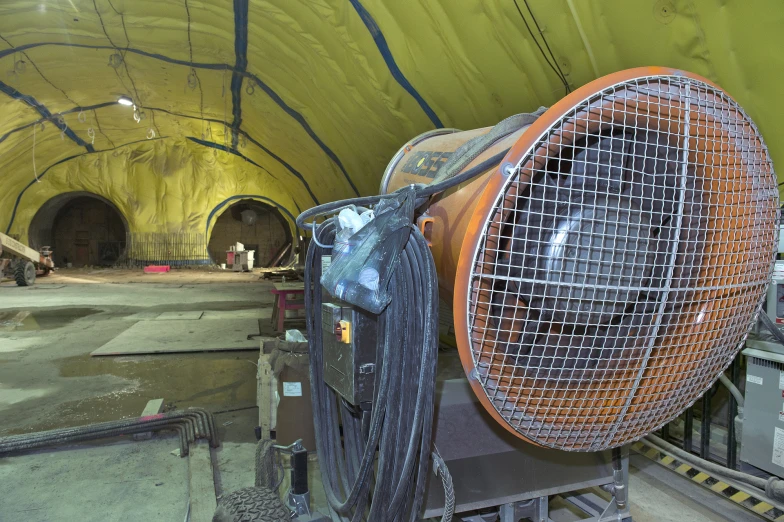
(735, 420)
(620, 459)
(193, 423)
(192, 415)
(732, 389)
(705, 426)
(82, 437)
(711, 467)
(100, 432)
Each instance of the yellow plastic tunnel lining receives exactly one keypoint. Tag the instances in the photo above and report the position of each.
(295, 102)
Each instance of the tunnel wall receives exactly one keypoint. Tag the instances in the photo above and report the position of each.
(167, 187)
(317, 96)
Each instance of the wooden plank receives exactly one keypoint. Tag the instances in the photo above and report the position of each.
(265, 395)
(153, 407)
(289, 287)
(201, 485)
(183, 316)
(12, 323)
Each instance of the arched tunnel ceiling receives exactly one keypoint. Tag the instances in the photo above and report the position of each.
(306, 101)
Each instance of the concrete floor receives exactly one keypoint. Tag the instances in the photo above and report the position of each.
(48, 380)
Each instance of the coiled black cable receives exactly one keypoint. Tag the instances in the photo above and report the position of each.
(393, 437)
(397, 441)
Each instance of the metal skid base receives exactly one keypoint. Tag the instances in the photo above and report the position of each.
(499, 477)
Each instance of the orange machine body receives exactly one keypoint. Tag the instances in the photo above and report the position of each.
(447, 218)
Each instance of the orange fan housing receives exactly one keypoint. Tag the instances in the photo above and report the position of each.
(609, 269)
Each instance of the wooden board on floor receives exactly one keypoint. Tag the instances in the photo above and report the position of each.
(179, 316)
(201, 483)
(248, 313)
(176, 336)
(10, 321)
(153, 407)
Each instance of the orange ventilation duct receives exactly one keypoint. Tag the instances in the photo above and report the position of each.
(609, 269)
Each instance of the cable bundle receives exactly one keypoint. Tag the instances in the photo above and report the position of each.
(377, 470)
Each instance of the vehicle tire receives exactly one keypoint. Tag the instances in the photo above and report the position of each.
(251, 505)
(24, 273)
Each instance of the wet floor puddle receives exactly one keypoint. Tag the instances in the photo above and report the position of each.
(25, 320)
(211, 380)
(216, 381)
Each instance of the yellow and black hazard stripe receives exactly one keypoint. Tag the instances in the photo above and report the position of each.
(751, 502)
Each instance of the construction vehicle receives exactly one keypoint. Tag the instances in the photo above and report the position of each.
(22, 263)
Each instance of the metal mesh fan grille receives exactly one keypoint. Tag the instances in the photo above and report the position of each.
(623, 263)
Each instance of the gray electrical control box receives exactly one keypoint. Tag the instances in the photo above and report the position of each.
(350, 336)
(763, 416)
(773, 306)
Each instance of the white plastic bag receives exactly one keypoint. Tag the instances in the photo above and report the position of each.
(295, 336)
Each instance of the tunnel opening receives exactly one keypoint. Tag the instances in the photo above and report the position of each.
(258, 226)
(82, 229)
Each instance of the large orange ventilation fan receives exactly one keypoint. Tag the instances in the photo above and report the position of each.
(606, 272)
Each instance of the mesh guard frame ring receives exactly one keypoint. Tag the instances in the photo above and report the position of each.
(486, 206)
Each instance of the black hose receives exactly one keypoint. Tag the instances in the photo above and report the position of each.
(772, 327)
(421, 192)
(437, 188)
